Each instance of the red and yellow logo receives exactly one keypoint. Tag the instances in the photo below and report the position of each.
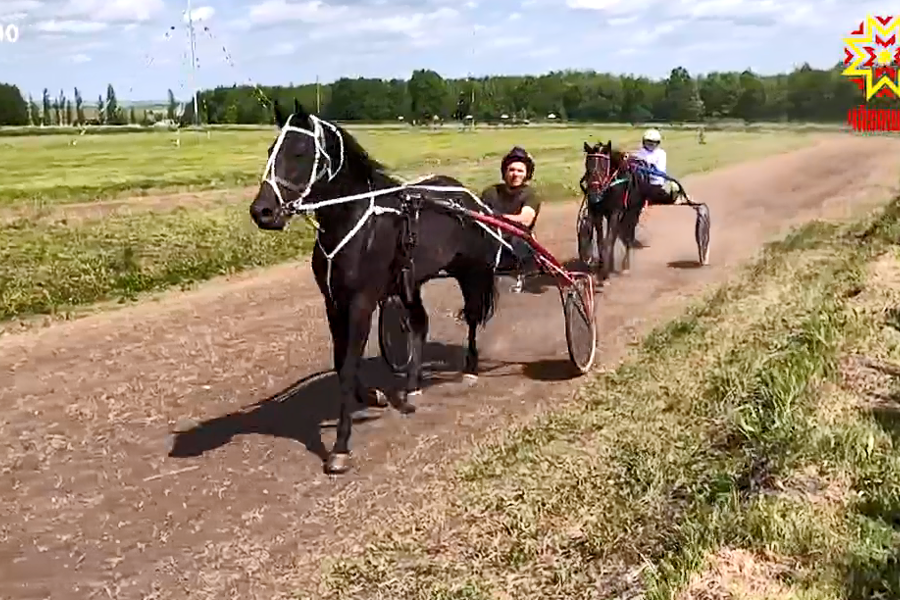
(872, 54)
(872, 61)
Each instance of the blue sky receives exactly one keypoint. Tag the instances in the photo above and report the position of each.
(131, 43)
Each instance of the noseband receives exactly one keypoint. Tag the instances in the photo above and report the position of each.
(323, 165)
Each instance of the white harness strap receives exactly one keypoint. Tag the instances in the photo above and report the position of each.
(297, 206)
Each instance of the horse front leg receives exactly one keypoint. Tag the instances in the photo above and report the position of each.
(339, 324)
(358, 321)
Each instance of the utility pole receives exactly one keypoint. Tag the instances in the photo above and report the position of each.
(193, 41)
(318, 99)
(472, 80)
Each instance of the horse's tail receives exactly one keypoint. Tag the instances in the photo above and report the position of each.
(479, 289)
(487, 301)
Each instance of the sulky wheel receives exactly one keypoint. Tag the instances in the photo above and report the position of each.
(581, 325)
(394, 334)
(588, 245)
(701, 233)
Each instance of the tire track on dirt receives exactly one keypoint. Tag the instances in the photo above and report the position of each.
(95, 507)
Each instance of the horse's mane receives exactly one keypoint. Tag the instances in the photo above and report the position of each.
(616, 157)
(356, 155)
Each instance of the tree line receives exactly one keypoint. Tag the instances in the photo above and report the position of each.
(805, 94)
(61, 111)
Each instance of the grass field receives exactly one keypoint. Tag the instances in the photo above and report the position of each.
(746, 450)
(49, 265)
(48, 169)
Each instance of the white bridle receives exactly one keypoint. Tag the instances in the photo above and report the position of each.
(318, 136)
(298, 206)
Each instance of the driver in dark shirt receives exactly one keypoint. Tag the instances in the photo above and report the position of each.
(517, 201)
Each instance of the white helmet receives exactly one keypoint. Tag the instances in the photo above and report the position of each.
(652, 135)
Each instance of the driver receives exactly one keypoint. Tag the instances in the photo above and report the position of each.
(660, 189)
(517, 201)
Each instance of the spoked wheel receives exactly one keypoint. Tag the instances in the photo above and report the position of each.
(588, 245)
(701, 233)
(394, 335)
(581, 326)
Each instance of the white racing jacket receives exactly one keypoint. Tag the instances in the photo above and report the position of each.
(656, 158)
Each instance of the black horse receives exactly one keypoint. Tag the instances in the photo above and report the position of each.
(614, 201)
(376, 238)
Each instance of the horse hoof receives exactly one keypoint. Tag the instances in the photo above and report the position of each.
(376, 398)
(470, 378)
(400, 401)
(337, 464)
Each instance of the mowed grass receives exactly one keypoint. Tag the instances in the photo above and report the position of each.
(52, 266)
(48, 169)
(746, 450)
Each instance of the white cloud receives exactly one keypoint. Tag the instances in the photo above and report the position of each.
(17, 8)
(283, 49)
(80, 58)
(273, 12)
(593, 4)
(509, 41)
(619, 21)
(543, 52)
(70, 26)
(200, 14)
(127, 11)
(402, 25)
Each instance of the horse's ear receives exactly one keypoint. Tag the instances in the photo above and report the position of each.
(587, 148)
(299, 110)
(280, 116)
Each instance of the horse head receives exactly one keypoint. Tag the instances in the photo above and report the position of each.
(307, 152)
(601, 163)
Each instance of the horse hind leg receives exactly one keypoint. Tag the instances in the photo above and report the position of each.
(607, 241)
(479, 297)
(628, 236)
(418, 321)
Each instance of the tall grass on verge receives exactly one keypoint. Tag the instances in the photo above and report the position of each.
(48, 268)
(731, 435)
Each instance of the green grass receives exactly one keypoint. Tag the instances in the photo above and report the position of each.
(51, 266)
(734, 429)
(48, 169)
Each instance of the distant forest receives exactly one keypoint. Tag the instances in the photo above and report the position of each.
(804, 95)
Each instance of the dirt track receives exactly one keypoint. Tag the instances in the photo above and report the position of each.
(93, 505)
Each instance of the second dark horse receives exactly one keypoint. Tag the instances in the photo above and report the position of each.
(614, 203)
(386, 240)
